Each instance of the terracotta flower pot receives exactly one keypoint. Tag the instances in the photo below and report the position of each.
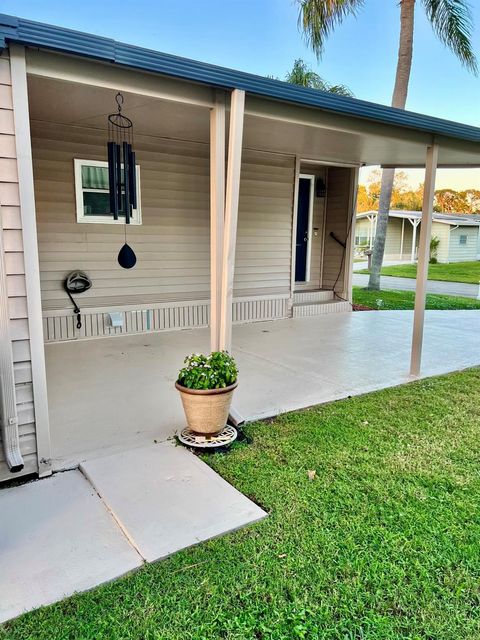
(206, 410)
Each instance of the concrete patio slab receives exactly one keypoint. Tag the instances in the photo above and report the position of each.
(291, 364)
(56, 538)
(166, 499)
(284, 365)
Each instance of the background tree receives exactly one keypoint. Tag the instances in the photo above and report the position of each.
(304, 76)
(451, 21)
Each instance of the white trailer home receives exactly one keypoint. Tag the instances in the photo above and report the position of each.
(246, 211)
(458, 235)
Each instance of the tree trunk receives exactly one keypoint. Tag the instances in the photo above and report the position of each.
(400, 91)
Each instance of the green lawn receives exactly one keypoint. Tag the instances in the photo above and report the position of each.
(390, 300)
(456, 272)
(382, 544)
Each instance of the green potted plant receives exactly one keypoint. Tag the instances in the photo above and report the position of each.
(206, 385)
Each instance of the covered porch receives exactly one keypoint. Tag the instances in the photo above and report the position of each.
(247, 214)
(284, 365)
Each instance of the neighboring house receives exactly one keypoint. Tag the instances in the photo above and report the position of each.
(459, 235)
(273, 238)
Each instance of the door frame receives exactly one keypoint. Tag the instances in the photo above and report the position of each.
(311, 177)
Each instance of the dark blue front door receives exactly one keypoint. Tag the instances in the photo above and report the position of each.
(303, 209)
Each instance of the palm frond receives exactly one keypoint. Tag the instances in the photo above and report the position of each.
(340, 90)
(302, 75)
(318, 18)
(453, 23)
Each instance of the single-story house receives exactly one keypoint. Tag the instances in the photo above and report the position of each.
(245, 207)
(459, 235)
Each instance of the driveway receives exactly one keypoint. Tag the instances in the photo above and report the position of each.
(408, 284)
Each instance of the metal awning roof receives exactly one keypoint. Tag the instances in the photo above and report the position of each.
(454, 219)
(36, 34)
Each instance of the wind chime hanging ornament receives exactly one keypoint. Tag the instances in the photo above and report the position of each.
(122, 178)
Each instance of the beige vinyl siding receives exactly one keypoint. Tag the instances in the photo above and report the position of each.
(317, 231)
(263, 254)
(393, 242)
(408, 239)
(393, 239)
(442, 232)
(17, 301)
(463, 252)
(339, 187)
(172, 244)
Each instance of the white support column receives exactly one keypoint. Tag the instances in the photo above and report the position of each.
(423, 258)
(350, 239)
(293, 249)
(402, 237)
(370, 231)
(32, 271)
(217, 215)
(237, 109)
(414, 222)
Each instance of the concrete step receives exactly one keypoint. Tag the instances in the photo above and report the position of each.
(304, 310)
(302, 297)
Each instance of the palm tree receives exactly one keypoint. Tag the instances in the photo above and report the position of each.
(302, 75)
(451, 21)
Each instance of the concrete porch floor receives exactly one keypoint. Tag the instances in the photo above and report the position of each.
(110, 394)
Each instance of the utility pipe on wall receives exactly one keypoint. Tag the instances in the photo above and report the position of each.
(8, 405)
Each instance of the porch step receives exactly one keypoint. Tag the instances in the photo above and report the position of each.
(302, 297)
(304, 310)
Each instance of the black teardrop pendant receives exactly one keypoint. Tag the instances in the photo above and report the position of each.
(126, 257)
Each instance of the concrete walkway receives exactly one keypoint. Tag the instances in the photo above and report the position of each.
(433, 286)
(75, 530)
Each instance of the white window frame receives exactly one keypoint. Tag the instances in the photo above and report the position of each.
(463, 235)
(78, 163)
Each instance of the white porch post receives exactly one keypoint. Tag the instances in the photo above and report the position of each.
(237, 108)
(370, 231)
(423, 258)
(350, 240)
(414, 222)
(217, 214)
(32, 270)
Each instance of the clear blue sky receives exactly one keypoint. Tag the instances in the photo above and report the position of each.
(261, 36)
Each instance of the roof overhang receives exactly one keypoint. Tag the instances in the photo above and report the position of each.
(279, 116)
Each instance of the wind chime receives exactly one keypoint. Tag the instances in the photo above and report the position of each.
(122, 178)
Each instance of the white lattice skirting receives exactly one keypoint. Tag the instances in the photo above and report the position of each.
(60, 325)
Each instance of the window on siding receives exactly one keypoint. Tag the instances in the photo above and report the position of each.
(359, 240)
(463, 239)
(92, 196)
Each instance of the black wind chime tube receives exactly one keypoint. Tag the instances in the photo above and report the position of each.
(118, 169)
(113, 178)
(133, 177)
(122, 179)
(126, 180)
